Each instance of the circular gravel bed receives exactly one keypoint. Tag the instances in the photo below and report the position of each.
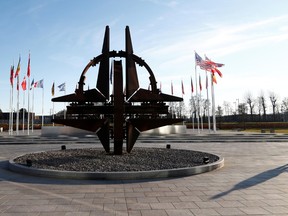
(93, 160)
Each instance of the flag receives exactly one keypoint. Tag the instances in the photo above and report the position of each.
(182, 87)
(214, 79)
(198, 59)
(200, 85)
(18, 68)
(28, 68)
(192, 87)
(32, 84)
(24, 84)
(171, 88)
(213, 63)
(212, 66)
(11, 75)
(39, 84)
(217, 71)
(17, 87)
(62, 87)
(53, 90)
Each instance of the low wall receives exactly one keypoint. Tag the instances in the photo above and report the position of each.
(168, 129)
(63, 130)
(71, 131)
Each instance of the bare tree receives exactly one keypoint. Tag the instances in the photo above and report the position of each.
(263, 103)
(192, 106)
(227, 107)
(219, 111)
(242, 109)
(273, 99)
(206, 105)
(250, 101)
(284, 105)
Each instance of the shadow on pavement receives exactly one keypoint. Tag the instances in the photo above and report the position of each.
(255, 180)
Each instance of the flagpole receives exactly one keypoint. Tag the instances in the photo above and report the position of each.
(23, 125)
(9, 127)
(197, 98)
(42, 107)
(213, 104)
(65, 103)
(11, 112)
(32, 118)
(192, 116)
(28, 106)
(53, 92)
(53, 114)
(200, 110)
(208, 106)
(28, 75)
(17, 114)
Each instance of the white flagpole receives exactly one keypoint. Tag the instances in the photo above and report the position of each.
(28, 106)
(192, 110)
(11, 112)
(17, 115)
(53, 114)
(9, 127)
(197, 98)
(42, 107)
(53, 92)
(65, 102)
(213, 104)
(200, 110)
(23, 125)
(208, 108)
(32, 117)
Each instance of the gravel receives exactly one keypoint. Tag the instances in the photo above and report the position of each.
(97, 160)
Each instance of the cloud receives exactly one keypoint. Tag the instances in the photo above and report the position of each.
(221, 39)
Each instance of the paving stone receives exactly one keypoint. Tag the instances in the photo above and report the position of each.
(252, 182)
(179, 212)
(162, 206)
(255, 210)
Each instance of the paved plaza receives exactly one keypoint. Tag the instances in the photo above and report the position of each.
(253, 181)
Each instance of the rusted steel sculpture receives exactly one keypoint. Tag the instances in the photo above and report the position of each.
(127, 111)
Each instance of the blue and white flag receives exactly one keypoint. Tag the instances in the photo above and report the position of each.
(62, 87)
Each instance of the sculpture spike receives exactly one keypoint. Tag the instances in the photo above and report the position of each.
(103, 74)
(132, 83)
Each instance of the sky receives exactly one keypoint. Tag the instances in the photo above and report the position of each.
(62, 36)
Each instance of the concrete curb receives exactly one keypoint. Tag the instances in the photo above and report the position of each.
(181, 172)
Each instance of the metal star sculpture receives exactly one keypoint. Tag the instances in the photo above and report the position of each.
(124, 114)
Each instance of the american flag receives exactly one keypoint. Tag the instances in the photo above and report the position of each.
(198, 59)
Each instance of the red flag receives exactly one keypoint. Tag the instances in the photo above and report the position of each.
(171, 88)
(11, 75)
(212, 66)
(192, 87)
(182, 87)
(217, 71)
(28, 68)
(24, 84)
(18, 68)
(17, 87)
(200, 83)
